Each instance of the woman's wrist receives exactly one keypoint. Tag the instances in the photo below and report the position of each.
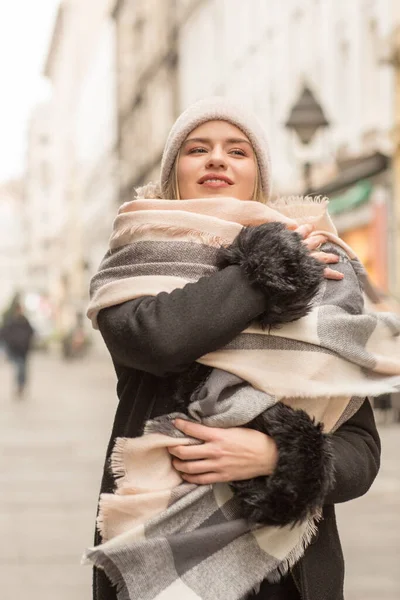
(303, 473)
(267, 455)
(276, 261)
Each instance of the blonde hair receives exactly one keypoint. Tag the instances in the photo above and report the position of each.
(172, 187)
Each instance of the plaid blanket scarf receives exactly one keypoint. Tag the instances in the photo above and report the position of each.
(164, 538)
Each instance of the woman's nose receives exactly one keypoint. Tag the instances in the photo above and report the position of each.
(216, 158)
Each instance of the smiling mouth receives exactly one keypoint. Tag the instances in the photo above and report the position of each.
(215, 182)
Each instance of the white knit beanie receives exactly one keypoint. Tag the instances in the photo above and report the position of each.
(217, 108)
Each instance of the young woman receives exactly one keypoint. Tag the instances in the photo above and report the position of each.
(217, 150)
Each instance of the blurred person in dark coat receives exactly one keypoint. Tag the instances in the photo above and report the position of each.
(383, 404)
(17, 335)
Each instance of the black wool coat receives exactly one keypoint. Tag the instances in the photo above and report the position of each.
(17, 334)
(154, 341)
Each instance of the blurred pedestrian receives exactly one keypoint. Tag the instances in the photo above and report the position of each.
(395, 398)
(17, 335)
(217, 154)
(75, 343)
(383, 404)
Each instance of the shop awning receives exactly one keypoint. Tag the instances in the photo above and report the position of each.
(358, 170)
(351, 199)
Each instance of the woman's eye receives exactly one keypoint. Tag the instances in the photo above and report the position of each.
(238, 152)
(196, 150)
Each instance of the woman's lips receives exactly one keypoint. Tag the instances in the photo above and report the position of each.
(215, 183)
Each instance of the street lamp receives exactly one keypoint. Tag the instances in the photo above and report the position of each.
(305, 118)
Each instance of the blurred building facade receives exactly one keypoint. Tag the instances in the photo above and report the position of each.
(147, 84)
(38, 200)
(95, 134)
(80, 67)
(392, 56)
(122, 71)
(13, 220)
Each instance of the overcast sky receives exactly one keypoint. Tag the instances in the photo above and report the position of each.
(25, 32)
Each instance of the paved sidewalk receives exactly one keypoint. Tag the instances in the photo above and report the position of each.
(52, 449)
(370, 530)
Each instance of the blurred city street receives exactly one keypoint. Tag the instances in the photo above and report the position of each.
(53, 443)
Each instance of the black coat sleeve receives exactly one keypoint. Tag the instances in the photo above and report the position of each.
(356, 450)
(168, 332)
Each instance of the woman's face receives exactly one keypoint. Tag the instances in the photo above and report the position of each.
(216, 159)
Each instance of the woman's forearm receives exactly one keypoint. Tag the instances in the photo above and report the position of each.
(166, 333)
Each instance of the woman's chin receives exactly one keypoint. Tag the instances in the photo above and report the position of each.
(216, 193)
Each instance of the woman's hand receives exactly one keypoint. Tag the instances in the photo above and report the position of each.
(313, 242)
(226, 455)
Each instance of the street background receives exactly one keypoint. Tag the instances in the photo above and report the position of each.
(92, 88)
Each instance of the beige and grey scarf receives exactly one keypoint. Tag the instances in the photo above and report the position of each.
(163, 538)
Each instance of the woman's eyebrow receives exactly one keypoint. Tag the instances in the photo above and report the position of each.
(208, 141)
(238, 141)
(199, 140)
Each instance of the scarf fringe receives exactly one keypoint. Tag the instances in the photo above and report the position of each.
(117, 466)
(301, 207)
(171, 231)
(100, 561)
(117, 460)
(118, 469)
(297, 552)
(102, 519)
(296, 200)
(150, 191)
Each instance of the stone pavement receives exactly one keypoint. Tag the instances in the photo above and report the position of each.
(370, 530)
(52, 449)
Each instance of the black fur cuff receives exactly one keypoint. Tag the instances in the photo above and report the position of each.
(276, 260)
(303, 476)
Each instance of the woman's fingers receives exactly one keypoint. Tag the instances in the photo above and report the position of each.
(201, 432)
(325, 257)
(304, 230)
(332, 274)
(194, 467)
(195, 452)
(204, 478)
(314, 241)
(290, 223)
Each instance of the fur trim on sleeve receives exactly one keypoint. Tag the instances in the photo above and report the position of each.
(303, 476)
(276, 260)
